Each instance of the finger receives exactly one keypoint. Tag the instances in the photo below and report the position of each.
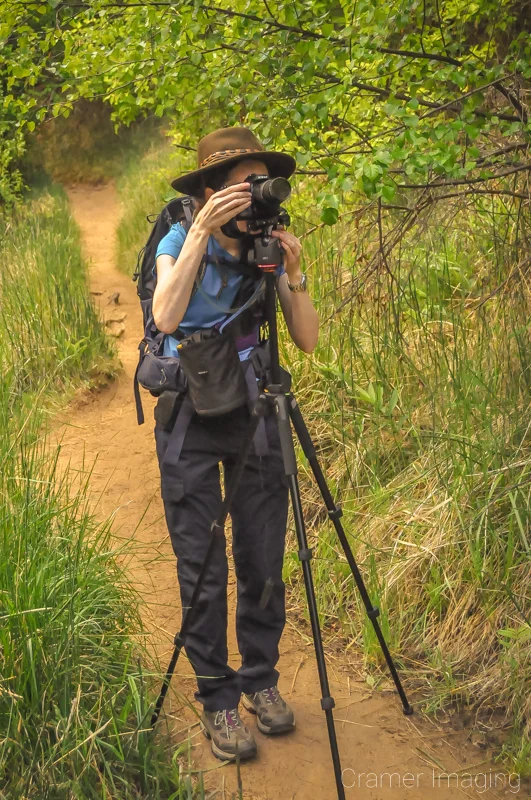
(221, 200)
(294, 244)
(286, 237)
(291, 245)
(232, 206)
(287, 249)
(241, 198)
(237, 187)
(289, 237)
(239, 202)
(228, 212)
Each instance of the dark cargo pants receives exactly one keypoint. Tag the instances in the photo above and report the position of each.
(192, 499)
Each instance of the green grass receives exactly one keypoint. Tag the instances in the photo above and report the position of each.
(417, 397)
(49, 331)
(74, 696)
(144, 188)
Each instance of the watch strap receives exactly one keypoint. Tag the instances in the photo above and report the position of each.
(298, 287)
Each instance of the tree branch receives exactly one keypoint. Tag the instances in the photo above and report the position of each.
(412, 54)
(273, 23)
(514, 101)
(451, 105)
(519, 168)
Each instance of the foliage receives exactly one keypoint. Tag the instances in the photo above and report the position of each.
(379, 97)
(421, 376)
(418, 398)
(85, 147)
(144, 188)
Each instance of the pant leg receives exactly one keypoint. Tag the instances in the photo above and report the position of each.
(192, 499)
(259, 517)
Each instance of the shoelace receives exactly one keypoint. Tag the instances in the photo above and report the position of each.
(229, 718)
(270, 695)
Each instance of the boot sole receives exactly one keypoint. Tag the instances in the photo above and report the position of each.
(222, 754)
(269, 731)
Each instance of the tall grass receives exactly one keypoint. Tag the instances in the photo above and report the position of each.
(73, 696)
(417, 397)
(144, 188)
(49, 332)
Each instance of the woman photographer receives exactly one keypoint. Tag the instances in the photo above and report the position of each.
(192, 492)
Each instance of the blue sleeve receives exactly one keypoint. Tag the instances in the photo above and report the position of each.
(171, 244)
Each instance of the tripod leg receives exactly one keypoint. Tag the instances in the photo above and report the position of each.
(334, 512)
(217, 528)
(305, 555)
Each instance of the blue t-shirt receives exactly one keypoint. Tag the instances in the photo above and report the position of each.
(201, 313)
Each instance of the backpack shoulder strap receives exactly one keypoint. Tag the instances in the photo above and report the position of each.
(187, 205)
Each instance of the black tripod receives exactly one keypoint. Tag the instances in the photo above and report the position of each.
(277, 395)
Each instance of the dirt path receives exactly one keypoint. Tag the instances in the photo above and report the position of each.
(385, 756)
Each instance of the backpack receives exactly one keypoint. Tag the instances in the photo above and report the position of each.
(155, 372)
(177, 210)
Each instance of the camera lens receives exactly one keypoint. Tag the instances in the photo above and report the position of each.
(273, 190)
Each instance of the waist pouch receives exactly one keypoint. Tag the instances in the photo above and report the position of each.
(156, 372)
(208, 368)
(214, 374)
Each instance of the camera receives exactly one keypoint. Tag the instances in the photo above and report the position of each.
(264, 215)
(265, 211)
(266, 196)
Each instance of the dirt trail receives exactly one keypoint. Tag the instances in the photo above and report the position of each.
(385, 755)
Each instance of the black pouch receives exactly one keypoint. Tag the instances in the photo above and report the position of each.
(167, 408)
(214, 374)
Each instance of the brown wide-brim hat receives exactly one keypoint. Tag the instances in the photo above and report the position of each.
(225, 147)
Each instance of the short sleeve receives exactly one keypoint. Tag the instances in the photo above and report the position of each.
(171, 244)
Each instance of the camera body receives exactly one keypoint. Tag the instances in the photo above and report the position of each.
(264, 215)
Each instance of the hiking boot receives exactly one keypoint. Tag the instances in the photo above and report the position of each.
(228, 734)
(272, 712)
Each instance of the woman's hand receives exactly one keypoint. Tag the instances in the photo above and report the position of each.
(222, 206)
(292, 249)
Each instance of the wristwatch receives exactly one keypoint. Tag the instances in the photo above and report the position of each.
(298, 287)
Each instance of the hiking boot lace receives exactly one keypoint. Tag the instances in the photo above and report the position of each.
(229, 718)
(271, 695)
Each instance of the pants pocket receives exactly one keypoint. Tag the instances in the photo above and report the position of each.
(172, 488)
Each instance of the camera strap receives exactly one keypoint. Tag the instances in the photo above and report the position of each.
(234, 312)
(218, 262)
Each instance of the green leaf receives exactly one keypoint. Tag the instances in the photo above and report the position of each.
(329, 216)
(388, 191)
(372, 171)
(303, 158)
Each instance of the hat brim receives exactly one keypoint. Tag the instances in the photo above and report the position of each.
(279, 165)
